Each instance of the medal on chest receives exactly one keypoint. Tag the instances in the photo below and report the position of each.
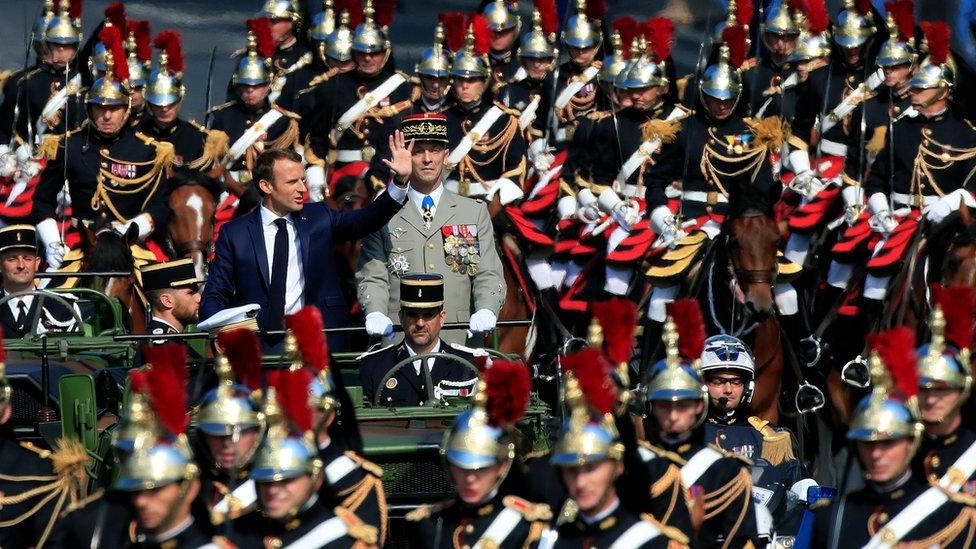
(124, 171)
(461, 248)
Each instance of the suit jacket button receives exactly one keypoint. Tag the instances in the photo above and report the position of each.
(430, 246)
(430, 265)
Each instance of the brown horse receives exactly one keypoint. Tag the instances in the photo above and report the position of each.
(959, 268)
(191, 226)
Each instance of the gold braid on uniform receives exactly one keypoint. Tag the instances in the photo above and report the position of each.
(310, 156)
(718, 501)
(4, 76)
(287, 140)
(877, 141)
(354, 496)
(214, 148)
(121, 186)
(965, 521)
(932, 157)
(670, 481)
(68, 484)
(665, 131)
(747, 158)
(777, 445)
(498, 145)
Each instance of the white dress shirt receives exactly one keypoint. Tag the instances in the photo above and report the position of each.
(295, 280)
(27, 300)
(418, 198)
(430, 361)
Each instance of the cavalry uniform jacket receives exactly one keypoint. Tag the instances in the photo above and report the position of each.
(505, 522)
(518, 94)
(503, 66)
(21, 460)
(728, 165)
(877, 113)
(499, 153)
(460, 244)
(407, 387)
(763, 81)
(28, 94)
(588, 99)
(870, 511)
(937, 455)
(620, 528)
(234, 118)
(723, 492)
(315, 526)
(668, 502)
(356, 484)
(225, 499)
(196, 150)
(824, 89)
(120, 176)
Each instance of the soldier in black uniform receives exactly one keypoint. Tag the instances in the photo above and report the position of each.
(434, 76)
(52, 89)
(355, 112)
(779, 33)
(292, 60)
(18, 265)
(173, 291)
(533, 79)
(480, 451)
(582, 37)
(504, 23)
(945, 382)
(196, 150)
(116, 173)
(288, 474)
(421, 314)
(718, 481)
(252, 84)
(886, 433)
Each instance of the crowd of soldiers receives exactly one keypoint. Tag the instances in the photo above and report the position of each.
(604, 174)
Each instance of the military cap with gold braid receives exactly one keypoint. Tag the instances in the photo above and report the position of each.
(160, 457)
(677, 377)
(15, 237)
(891, 410)
(422, 291)
(424, 127)
(482, 435)
(171, 274)
(65, 27)
(945, 360)
(165, 85)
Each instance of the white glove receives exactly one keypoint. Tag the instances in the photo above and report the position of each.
(8, 161)
(881, 221)
(566, 207)
(589, 211)
(482, 321)
(540, 156)
(54, 248)
(507, 191)
(142, 221)
(626, 214)
(665, 225)
(807, 184)
(379, 325)
(315, 181)
(853, 203)
(938, 210)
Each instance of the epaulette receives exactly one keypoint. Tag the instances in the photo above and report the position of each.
(670, 531)
(41, 452)
(959, 497)
(374, 351)
(596, 116)
(355, 527)
(749, 64)
(530, 511)
(508, 110)
(200, 127)
(469, 350)
(320, 79)
(287, 112)
(220, 107)
(777, 445)
(49, 146)
(424, 511)
(365, 464)
(728, 454)
(969, 123)
(877, 142)
(215, 146)
(415, 80)
(796, 143)
(681, 85)
(28, 75)
(769, 131)
(661, 452)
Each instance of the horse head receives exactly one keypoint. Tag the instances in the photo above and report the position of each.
(752, 244)
(191, 225)
(109, 250)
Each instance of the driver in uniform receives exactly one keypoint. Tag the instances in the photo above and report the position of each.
(173, 292)
(422, 315)
(18, 264)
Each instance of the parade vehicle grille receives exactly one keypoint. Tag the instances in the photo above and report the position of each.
(421, 478)
(25, 405)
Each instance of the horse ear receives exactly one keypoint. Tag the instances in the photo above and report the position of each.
(87, 233)
(132, 234)
(965, 216)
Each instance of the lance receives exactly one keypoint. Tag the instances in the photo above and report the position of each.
(206, 112)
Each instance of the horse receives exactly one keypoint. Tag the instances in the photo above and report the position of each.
(191, 227)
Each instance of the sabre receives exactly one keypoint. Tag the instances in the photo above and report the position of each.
(20, 90)
(206, 112)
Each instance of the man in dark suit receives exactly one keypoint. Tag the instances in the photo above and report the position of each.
(422, 315)
(18, 265)
(280, 255)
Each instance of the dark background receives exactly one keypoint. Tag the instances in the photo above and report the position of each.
(205, 24)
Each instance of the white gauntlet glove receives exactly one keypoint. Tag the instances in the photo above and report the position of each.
(941, 208)
(315, 180)
(540, 156)
(589, 210)
(8, 161)
(666, 226)
(379, 325)
(626, 214)
(482, 321)
(807, 184)
(54, 248)
(566, 207)
(881, 221)
(853, 203)
(142, 221)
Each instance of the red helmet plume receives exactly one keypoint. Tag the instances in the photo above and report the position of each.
(482, 33)
(743, 12)
(548, 15)
(736, 38)
(111, 38)
(261, 27)
(167, 385)
(593, 373)
(453, 22)
(958, 304)
(903, 14)
(139, 381)
(628, 28)
(74, 9)
(384, 12)
(659, 32)
(595, 9)
(291, 388)
(353, 8)
(817, 16)
(687, 318)
(937, 35)
(243, 351)
(896, 347)
(863, 6)
(507, 388)
(140, 30)
(169, 41)
(307, 325)
(115, 14)
(618, 319)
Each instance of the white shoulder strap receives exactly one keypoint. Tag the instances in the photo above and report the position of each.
(636, 536)
(477, 132)
(643, 152)
(548, 538)
(369, 101)
(575, 84)
(338, 468)
(251, 135)
(960, 471)
(528, 115)
(499, 529)
(852, 100)
(909, 517)
(321, 535)
(698, 464)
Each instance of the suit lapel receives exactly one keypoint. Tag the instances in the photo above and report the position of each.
(411, 215)
(301, 227)
(257, 242)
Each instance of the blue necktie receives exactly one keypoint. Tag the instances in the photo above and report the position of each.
(279, 273)
(427, 205)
